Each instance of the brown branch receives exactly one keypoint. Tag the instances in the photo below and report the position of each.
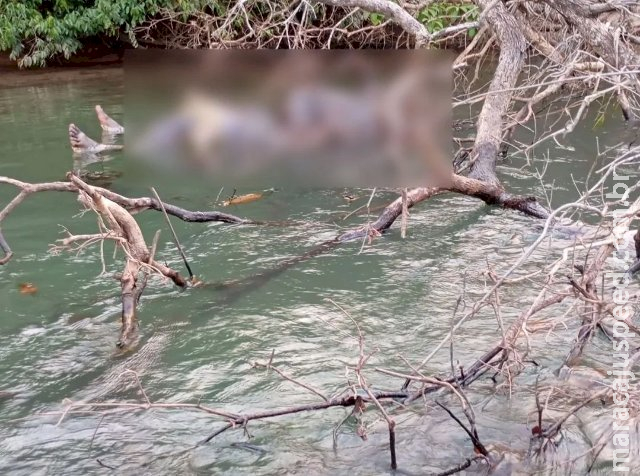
(130, 204)
(130, 294)
(346, 401)
(490, 193)
(5, 249)
(123, 224)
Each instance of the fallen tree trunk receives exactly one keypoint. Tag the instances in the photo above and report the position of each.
(489, 128)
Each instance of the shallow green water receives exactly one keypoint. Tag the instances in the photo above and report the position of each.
(198, 345)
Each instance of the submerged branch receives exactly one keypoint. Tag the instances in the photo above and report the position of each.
(123, 225)
(491, 194)
(4, 246)
(347, 401)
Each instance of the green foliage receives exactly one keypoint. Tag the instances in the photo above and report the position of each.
(603, 112)
(36, 31)
(439, 15)
(376, 19)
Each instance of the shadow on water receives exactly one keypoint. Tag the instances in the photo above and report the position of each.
(230, 291)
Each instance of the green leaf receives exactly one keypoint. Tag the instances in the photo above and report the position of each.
(376, 19)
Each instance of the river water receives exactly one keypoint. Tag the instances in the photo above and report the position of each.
(58, 344)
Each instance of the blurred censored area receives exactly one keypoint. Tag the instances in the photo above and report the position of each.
(275, 117)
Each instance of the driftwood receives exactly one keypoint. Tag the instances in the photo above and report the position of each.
(120, 222)
(490, 193)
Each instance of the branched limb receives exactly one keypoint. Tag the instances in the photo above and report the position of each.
(346, 401)
(269, 366)
(593, 313)
(131, 205)
(491, 194)
(123, 226)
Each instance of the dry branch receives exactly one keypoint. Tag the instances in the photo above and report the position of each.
(388, 8)
(489, 129)
(491, 194)
(123, 225)
(122, 228)
(346, 401)
(593, 313)
(132, 205)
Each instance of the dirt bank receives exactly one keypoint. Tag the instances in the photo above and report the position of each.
(81, 68)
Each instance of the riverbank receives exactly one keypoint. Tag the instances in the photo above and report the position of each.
(80, 68)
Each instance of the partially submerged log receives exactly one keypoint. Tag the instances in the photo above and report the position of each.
(122, 224)
(490, 193)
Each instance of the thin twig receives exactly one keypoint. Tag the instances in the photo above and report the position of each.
(173, 232)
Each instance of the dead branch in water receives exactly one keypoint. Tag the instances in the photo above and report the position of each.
(173, 233)
(131, 205)
(116, 224)
(121, 224)
(491, 194)
(359, 393)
